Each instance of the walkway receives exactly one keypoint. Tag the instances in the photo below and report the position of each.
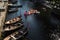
(3, 5)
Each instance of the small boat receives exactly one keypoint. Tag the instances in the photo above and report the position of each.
(33, 11)
(16, 35)
(15, 6)
(13, 20)
(12, 27)
(13, 1)
(13, 10)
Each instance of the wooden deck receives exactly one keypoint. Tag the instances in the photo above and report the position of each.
(3, 6)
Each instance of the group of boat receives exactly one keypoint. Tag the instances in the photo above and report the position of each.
(17, 35)
(13, 24)
(16, 24)
(13, 6)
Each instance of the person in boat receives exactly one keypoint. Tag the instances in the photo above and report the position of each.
(25, 14)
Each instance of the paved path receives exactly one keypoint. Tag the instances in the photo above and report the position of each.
(2, 14)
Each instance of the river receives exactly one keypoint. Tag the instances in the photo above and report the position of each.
(36, 26)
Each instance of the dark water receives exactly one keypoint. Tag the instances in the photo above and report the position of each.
(36, 27)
